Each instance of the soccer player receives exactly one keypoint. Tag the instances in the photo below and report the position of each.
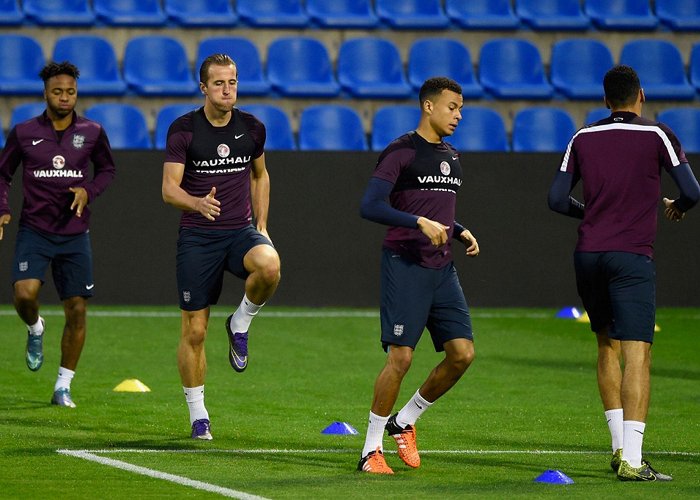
(55, 150)
(413, 191)
(215, 172)
(619, 161)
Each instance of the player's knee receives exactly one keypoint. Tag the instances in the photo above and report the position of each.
(24, 294)
(400, 360)
(195, 334)
(460, 361)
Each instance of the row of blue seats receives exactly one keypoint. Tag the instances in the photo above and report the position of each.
(338, 127)
(394, 14)
(368, 67)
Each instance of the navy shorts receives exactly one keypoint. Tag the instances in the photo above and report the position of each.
(415, 297)
(70, 258)
(618, 290)
(202, 257)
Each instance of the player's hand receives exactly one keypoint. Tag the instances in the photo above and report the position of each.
(671, 212)
(436, 232)
(80, 200)
(470, 242)
(4, 219)
(209, 206)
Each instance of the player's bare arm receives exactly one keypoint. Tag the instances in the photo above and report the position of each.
(80, 200)
(436, 232)
(470, 242)
(260, 193)
(174, 195)
(4, 219)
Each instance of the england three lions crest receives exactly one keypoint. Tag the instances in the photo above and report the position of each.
(78, 141)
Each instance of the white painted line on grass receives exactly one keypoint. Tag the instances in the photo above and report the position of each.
(87, 455)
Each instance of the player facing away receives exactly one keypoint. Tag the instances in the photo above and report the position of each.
(619, 161)
(55, 150)
(215, 172)
(413, 190)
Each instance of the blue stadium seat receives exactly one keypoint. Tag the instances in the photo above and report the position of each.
(124, 124)
(277, 126)
(552, 14)
(659, 65)
(481, 129)
(695, 66)
(330, 127)
(273, 13)
(2, 137)
(482, 14)
(59, 12)
(23, 112)
(512, 69)
(129, 12)
(10, 13)
(577, 67)
(679, 15)
(542, 129)
(201, 13)
(251, 80)
(342, 14)
(372, 68)
(300, 67)
(685, 123)
(429, 57)
(596, 114)
(633, 15)
(96, 60)
(158, 66)
(165, 117)
(390, 122)
(412, 14)
(22, 59)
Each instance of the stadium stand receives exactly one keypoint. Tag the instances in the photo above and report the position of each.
(685, 123)
(300, 67)
(272, 13)
(660, 67)
(596, 114)
(390, 122)
(10, 13)
(124, 124)
(577, 67)
(542, 129)
(165, 117)
(2, 137)
(201, 13)
(631, 15)
(695, 66)
(372, 68)
(342, 14)
(679, 15)
(59, 12)
(331, 127)
(129, 12)
(23, 112)
(277, 126)
(412, 14)
(559, 15)
(96, 60)
(22, 59)
(482, 14)
(481, 129)
(442, 56)
(158, 66)
(251, 80)
(511, 68)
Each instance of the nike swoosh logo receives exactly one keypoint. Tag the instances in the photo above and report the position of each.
(89, 287)
(36, 141)
(639, 432)
(455, 157)
(419, 406)
(238, 136)
(239, 360)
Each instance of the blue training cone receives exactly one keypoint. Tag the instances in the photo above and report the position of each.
(339, 428)
(569, 313)
(554, 477)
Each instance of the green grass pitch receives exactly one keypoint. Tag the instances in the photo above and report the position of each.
(528, 403)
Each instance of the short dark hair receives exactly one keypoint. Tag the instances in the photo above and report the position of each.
(217, 59)
(621, 85)
(434, 86)
(54, 69)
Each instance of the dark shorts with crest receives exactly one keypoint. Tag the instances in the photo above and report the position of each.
(202, 257)
(618, 290)
(70, 258)
(414, 298)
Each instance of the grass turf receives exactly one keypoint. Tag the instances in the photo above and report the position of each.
(529, 403)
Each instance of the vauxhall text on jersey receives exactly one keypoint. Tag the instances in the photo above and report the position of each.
(426, 178)
(218, 157)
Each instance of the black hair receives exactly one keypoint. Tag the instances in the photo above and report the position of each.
(434, 86)
(621, 85)
(54, 69)
(217, 59)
